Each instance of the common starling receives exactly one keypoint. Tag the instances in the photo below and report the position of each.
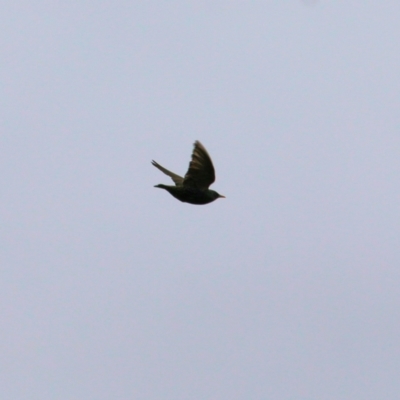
(193, 188)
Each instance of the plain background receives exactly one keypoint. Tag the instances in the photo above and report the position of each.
(288, 289)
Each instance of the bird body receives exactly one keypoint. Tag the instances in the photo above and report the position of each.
(190, 195)
(193, 188)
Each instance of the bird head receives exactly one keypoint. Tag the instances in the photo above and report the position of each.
(215, 195)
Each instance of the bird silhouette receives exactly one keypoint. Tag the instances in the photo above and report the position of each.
(194, 187)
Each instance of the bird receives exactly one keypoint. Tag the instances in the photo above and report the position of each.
(194, 187)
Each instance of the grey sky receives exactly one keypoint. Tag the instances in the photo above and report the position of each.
(288, 289)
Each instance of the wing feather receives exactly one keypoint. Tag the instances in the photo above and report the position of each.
(201, 173)
(176, 178)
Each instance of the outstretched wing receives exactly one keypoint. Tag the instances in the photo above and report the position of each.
(176, 178)
(201, 172)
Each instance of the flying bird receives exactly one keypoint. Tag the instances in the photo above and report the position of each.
(193, 188)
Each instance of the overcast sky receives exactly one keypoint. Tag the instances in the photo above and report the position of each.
(288, 289)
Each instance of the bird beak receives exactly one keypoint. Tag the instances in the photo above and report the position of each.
(222, 196)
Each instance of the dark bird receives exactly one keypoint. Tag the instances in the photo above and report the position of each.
(193, 188)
